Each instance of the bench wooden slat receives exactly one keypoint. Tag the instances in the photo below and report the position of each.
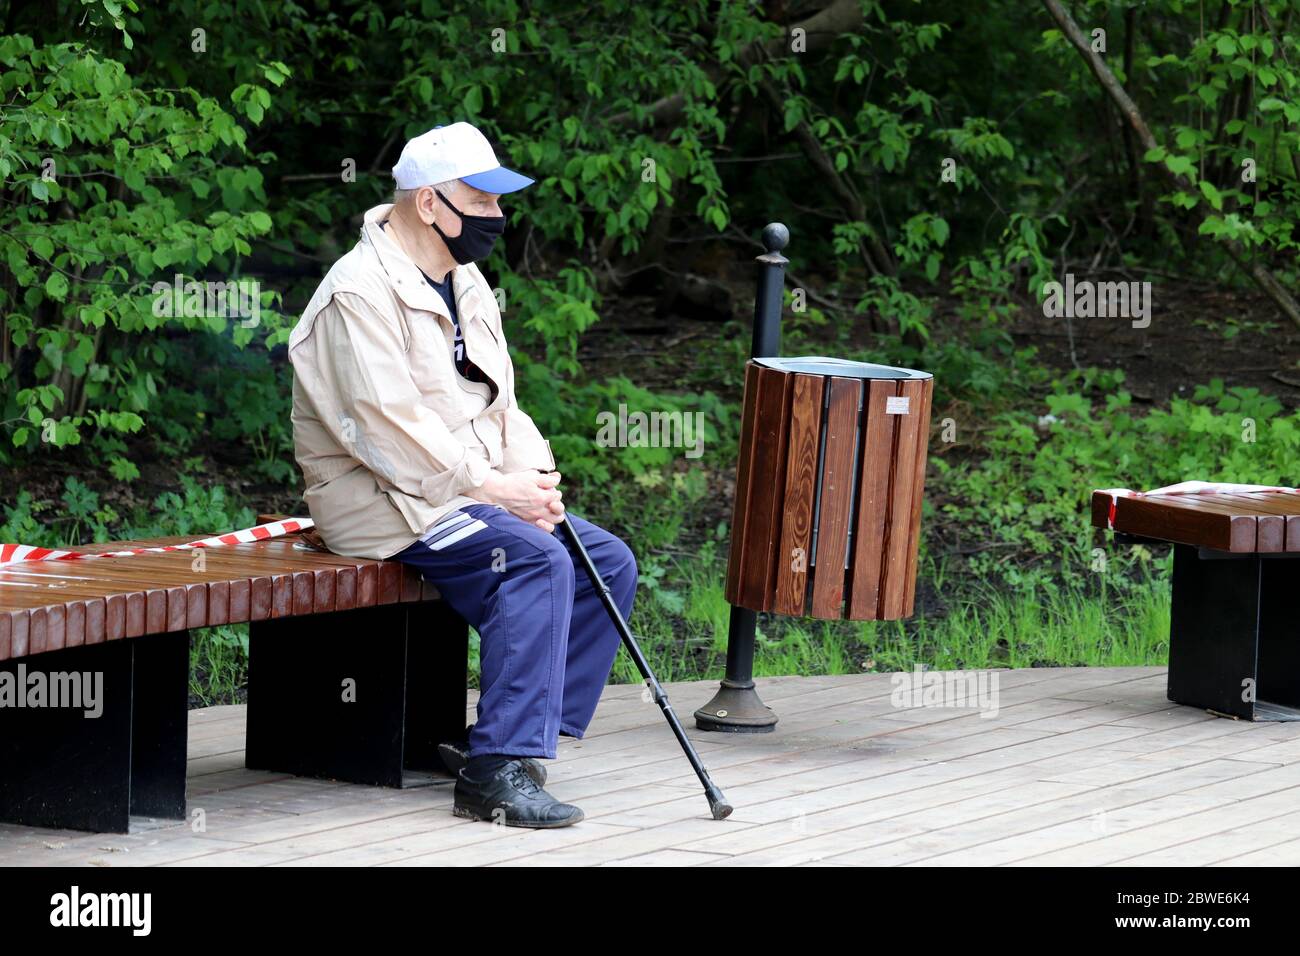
(56, 630)
(323, 590)
(241, 601)
(21, 627)
(347, 584)
(36, 631)
(126, 615)
(261, 599)
(218, 603)
(757, 505)
(389, 588)
(744, 465)
(76, 624)
(50, 605)
(1219, 525)
(96, 620)
(918, 488)
(1204, 527)
(1286, 507)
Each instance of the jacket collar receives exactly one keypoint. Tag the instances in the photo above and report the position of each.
(405, 276)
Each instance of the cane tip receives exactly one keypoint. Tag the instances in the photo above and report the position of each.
(721, 809)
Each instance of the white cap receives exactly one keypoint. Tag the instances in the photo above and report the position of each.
(458, 151)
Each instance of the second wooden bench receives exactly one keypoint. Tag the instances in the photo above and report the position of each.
(1234, 638)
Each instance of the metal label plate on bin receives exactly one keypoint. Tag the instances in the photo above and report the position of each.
(897, 405)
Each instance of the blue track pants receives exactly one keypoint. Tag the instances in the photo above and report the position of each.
(546, 643)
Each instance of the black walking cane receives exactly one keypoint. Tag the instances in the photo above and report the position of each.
(717, 802)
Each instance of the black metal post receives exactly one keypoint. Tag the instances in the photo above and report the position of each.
(736, 708)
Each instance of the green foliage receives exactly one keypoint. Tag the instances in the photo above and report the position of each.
(1225, 123)
(110, 186)
(79, 516)
(1029, 483)
(170, 156)
(139, 151)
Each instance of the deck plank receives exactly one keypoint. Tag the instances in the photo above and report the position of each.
(1077, 766)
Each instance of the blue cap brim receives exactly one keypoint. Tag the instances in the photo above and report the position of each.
(499, 180)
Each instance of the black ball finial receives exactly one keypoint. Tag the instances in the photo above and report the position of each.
(775, 236)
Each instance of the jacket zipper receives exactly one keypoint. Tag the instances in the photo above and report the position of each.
(476, 316)
(505, 418)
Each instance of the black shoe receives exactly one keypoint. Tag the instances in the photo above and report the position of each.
(511, 797)
(455, 754)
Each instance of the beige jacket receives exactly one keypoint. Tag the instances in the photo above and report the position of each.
(388, 435)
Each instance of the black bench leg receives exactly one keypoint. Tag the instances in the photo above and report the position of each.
(1235, 634)
(1278, 696)
(363, 695)
(63, 769)
(160, 725)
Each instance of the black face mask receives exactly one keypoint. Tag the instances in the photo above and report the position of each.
(477, 233)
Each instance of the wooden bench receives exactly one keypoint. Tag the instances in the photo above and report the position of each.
(357, 670)
(1234, 641)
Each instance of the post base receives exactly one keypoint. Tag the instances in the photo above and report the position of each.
(736, 709)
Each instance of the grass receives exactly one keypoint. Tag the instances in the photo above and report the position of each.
(681, 620)
(681, 616)
(218, 664)
(683, 634)
(1070, 628)
(984, 627)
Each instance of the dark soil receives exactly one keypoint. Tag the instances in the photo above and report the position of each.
(1184, 346)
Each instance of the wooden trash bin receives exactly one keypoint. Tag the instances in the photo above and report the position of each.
(828, 488)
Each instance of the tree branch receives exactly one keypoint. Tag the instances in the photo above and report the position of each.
(1239, 253)
(821, 29)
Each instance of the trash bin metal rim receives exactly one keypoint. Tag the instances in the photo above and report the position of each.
(843, 368)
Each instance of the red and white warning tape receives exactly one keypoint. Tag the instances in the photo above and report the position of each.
(14, 553)
(1187, 488)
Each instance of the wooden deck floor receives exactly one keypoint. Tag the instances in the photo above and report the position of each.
(1078, 766)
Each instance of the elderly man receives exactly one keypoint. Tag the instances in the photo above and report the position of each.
(413, 448)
